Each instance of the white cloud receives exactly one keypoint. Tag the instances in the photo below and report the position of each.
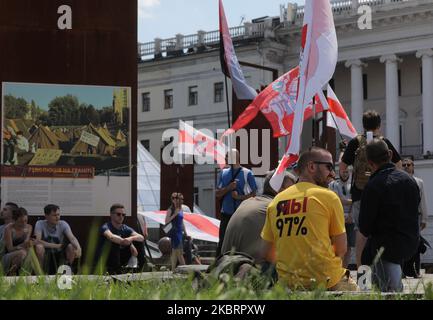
(143, 8)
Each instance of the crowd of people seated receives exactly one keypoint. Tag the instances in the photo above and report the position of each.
(51, 243)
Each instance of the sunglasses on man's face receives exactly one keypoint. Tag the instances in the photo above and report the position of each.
(407, 165)
(329, 165)
(120, 214)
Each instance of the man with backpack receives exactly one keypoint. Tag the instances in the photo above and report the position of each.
(235, 184)
(355, 155)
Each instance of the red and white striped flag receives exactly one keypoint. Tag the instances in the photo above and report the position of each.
(197, 226)
(318, 59)
(276, 102)
(194, 142)
(339, 119)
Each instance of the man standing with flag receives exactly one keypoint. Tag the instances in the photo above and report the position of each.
(235, 184)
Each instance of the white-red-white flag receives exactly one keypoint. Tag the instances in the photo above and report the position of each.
(276, 102)
(194, 142)
(229, 62)
(318, 59)
(337, 117)
(197, 226)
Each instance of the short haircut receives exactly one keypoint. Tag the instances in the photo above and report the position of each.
(19, 212)
(268, 190)
(377, 151)
(408, 159)
(312, 154)
(50, 208)
(371, 120)
(116, 206)
(11, 204)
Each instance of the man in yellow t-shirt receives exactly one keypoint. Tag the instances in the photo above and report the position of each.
(305, 223)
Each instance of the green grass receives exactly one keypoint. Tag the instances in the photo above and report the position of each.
(174, 289)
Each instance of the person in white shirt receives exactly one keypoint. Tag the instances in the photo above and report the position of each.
(341, 187)
(412, 267)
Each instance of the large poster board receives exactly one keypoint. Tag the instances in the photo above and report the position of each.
(66, 144)
(84, 45)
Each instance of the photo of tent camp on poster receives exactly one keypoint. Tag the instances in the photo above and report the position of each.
(66, 125)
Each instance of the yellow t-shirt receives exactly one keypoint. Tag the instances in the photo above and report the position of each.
(300, 222)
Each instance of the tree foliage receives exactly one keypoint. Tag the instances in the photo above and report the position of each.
(15, 108)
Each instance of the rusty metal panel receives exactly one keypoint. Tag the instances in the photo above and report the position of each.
(100, 49)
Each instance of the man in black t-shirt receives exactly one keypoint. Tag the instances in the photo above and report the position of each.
(117, 241)
(371, 123)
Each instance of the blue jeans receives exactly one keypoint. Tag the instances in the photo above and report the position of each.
(387, 276)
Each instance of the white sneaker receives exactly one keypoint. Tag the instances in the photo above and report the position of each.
(132, 263)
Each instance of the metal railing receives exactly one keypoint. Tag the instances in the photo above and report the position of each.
(414, 150)
(181, 42)
(248, 30)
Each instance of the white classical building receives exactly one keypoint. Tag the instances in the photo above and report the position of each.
(388, 68)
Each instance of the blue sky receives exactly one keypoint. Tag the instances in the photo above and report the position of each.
(165, 18)
(42, 94)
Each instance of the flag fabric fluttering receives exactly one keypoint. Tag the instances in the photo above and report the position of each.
(277, 179)
(198, 226)
(339, 119)
(229, 62)
(318, 59)
(276, 102)
(194, 142)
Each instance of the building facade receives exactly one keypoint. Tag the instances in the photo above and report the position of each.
(388, 68)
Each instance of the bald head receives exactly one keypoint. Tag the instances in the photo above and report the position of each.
(312, 154)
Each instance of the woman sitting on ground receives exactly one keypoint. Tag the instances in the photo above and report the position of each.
(175, 216)
(17, 241)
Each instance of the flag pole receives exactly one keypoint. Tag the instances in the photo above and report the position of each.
(227, 102)
(313, 142)
(339, 131)
(325, 100)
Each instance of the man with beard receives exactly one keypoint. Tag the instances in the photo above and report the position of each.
(305, 223)
(342, 188)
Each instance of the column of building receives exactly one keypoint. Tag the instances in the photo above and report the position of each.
(357, 92)
(392, 99)
(427, 97)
